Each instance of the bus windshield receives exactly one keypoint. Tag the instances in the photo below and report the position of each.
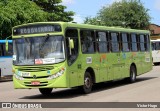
(38, 50)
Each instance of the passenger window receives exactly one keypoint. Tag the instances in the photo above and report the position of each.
(142, 44)
(147, 43)
(125, 42)
(87, 41)
(157, 45)
(134, 43)
(114, 42)
(10, 50)
(102, 42)
(1, 51)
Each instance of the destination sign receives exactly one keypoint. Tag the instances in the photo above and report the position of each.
(35, 29)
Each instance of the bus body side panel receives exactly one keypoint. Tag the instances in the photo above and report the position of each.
(84, 62)
(72, 74)
(156, 56)
(6, 66)
(137, 59)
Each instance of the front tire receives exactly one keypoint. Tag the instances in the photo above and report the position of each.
(45, 91)
(88, 83)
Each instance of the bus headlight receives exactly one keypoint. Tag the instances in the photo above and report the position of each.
(58, 74)
(18, 77)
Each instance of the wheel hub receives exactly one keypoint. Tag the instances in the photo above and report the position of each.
(87, 82)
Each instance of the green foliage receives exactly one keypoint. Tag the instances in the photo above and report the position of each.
(93, 21)
(16, 12)
(55, 10)
(126, 13)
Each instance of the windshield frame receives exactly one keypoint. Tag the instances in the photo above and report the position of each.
(64, 51)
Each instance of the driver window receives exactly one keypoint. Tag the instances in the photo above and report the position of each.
(72, 34)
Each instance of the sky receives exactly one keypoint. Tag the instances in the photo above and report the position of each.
(90, 8)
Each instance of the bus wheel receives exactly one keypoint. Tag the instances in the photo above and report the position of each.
(45, 91)
(133, 74)
(88, 83)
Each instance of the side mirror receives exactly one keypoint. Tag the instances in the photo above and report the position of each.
(71, 43)
(6, 45)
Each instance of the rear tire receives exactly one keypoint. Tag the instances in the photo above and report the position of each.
(133, 74)
(88, 83)
(45, 91)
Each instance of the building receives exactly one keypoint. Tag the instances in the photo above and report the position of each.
(155, 31)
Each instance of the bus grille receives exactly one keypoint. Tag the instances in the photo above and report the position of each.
(35, 68)
(39, 77)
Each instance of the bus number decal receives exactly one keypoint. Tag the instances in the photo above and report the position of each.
(89, 60)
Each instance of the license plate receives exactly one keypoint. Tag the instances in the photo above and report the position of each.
(35, 83)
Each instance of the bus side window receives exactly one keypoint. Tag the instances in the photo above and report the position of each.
(142, 43)
(102, 42)
(153, 46)
(114, 42)
(72, 34)
(134, 42)
(147, 43)
(1, 50)
(87, 41)
(157, 45)
(10, 50)
(125, 42)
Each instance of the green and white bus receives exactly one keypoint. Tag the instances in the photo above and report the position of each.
(49, 55)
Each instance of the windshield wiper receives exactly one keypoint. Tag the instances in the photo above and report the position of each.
(45, 41)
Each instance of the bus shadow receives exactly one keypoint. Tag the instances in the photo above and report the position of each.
(118, 83)
(74, 92)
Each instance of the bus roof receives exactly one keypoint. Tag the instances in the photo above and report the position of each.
(4, 41)
(88, 26)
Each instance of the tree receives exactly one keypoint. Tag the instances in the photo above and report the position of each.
(93, 21)
(18, 12)
(126, 13)
(55, 10)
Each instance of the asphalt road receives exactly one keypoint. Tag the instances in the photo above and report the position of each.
(145, 89)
